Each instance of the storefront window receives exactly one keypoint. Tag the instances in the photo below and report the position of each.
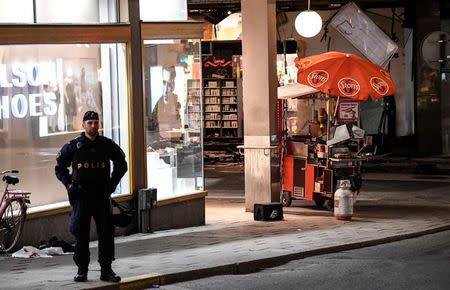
(44, 92)
(57, 11)
(173, 116)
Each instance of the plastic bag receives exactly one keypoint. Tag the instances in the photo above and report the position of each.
(30, 252)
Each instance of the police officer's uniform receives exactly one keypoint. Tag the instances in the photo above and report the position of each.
(89, 188)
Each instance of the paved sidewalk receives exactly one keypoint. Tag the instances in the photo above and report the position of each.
(439, 164)
(232, 242)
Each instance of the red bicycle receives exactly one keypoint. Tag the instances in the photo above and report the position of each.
(13, 210)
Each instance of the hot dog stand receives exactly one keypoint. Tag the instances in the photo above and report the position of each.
(319, 148)
(319, 131)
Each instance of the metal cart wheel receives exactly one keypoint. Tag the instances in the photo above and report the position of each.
(286, 199)
(319, 202)
(328, 204)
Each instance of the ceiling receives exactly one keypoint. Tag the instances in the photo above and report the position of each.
(216, 10)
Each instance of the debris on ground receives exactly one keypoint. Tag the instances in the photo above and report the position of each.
(32, 252)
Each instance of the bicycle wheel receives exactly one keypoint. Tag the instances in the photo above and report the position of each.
(11, 224)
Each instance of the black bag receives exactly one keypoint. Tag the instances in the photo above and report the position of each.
(54, 242)
(124, 217)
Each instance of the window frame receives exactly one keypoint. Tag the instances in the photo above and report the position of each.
(64, 34)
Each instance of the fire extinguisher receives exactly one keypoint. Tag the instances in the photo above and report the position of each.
(343, 201)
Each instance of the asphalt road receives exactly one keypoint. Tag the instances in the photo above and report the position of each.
(420, 263)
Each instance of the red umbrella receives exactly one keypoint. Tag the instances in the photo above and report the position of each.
(344, 74)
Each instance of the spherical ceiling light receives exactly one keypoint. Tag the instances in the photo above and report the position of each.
(308, 23)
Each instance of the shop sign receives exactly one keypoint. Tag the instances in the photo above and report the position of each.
(215, 67)
(18, 79)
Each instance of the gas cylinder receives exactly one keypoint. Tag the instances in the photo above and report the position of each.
(343, 201)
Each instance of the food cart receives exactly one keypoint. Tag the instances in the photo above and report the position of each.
(320, 144)
(320, 135)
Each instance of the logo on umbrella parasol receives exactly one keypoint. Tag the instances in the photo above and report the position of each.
(304, 64)
(385, 73)
(317, 78)
(380, 86)
(348, 87)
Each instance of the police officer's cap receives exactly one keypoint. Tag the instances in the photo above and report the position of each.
(90, 115)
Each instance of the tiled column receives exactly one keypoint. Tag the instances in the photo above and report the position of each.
(260, 93)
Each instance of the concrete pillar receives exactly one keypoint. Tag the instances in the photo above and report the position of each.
(260, 94)
(428, 96)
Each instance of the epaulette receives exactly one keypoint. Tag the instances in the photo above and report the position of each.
(73, 141)
(76, 143)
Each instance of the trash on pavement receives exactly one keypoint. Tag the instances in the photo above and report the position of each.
(32, 252)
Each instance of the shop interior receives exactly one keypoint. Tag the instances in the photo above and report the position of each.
(222, 95)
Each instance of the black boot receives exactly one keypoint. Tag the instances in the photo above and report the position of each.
(81, 275)
(108, 275)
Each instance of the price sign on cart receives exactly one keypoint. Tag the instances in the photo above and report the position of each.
(348, 111)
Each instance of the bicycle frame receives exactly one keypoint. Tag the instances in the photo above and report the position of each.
(8, 213)
(8, 195)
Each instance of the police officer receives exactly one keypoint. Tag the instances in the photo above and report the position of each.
(89, 188)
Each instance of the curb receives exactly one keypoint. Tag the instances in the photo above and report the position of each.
(147, 280)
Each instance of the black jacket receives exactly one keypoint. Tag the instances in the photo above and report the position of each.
(90, 162)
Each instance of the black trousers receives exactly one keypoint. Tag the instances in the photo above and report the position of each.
(80, 224)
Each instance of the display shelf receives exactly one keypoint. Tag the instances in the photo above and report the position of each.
(222, 99)
(193, 104)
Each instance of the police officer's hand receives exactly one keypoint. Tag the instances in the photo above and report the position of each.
(72, 191)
